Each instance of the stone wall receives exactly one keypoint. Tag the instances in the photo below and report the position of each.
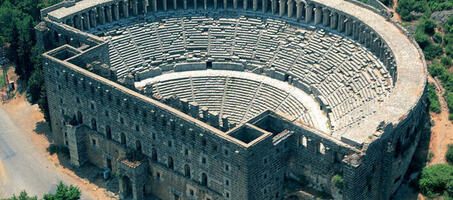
(104, 123)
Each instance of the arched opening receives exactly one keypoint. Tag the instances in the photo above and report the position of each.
(204, 179)
(187, 170)
(170, 162)
(154, 154)
(108, 132)
(123, 138)
(94, 124)
(79, 117)
(126, 188)
(138, 146)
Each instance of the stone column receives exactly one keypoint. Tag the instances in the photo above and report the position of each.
(184, 4)
(126, 8)
(298, 10)
(61, 39)
(144, 8)
(225, 4)
(86, 20)
(355, 27)
(135, 7)
(273, 6)
(116, 12)
(372, 40)
(318, 15)
(215, 4)
(325, 17)
(340, 23)
(245, 2)
(101, 15)
(255, 5)
(93, 17)
(109, 13)
(348, 23)
(164, 4)
(154, 5)
(362, 36)
(333, 20)
(308, 13)
(282, 7)
(264, 5)
(205, 4)
(290, 8)
(235, 4)
(195, 4)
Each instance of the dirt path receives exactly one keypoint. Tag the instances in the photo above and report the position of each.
(442, 131)
(32, 123)
(396, 16)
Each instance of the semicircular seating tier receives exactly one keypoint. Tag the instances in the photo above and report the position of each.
(238, 95)
(338, 70)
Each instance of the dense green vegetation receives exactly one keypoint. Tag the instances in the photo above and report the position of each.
(436, 42)
(407, 8)
(63, 192)
(434, 105)
(17, 21)
(437, 180)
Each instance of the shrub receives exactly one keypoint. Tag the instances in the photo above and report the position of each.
(434, 179)
(422, 39)
(449, 99)
(427, 26)
(337, 180)
(449, 49)
(432, 51)
(437, 37)
(436, 69)
(434, 104)
(446, 60)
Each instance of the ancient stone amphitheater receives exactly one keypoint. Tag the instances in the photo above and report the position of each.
(235, 99)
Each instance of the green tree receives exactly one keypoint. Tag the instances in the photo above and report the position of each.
(22, 196)
(434, 104)
(434, 179)
(64, 192)
(432, 51)
(422, 39)
(446, 60)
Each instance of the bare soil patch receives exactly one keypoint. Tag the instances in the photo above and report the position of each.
(32, 122)
(442, 129)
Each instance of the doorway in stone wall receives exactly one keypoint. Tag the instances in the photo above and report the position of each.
(109, 163)
(126, 187)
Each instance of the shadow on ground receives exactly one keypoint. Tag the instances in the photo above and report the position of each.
(88, 172)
